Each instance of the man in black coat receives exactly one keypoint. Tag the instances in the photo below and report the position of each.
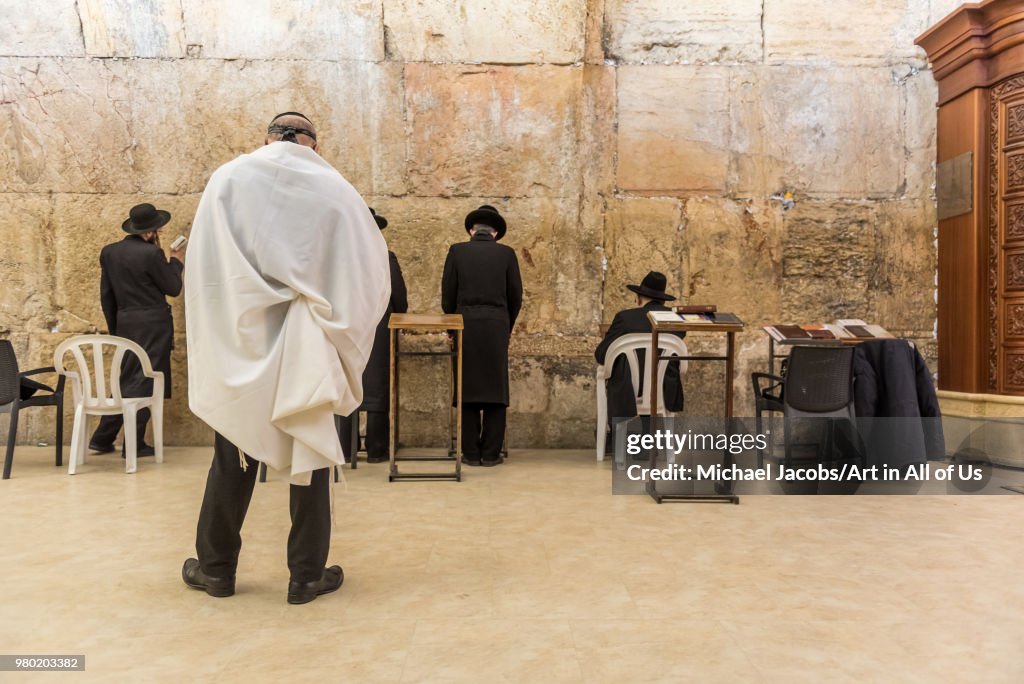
(376, 379)
(650, 296)
(135, 279)
(481, 281)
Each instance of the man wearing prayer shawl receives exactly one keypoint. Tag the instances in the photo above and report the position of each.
(288, 277)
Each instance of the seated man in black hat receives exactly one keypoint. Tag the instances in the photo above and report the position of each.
(481, 281)
(376, 380)
(135, 279)
(650, 296)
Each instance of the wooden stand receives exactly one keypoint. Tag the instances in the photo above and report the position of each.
(723, 494)
(425, 323)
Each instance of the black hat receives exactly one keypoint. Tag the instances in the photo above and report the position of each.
(382, 222)
(653, 286)
(488, 216)
(144, 218)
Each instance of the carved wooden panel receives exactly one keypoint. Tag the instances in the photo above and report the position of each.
(1005, 258)
(1014, 222)
(1013, 364)
(1015, 319)
(1015, 270)
(1015, 172)
(1015, 122)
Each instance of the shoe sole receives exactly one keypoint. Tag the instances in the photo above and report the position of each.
(298, 601)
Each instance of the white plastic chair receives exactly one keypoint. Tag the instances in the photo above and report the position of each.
(95, 395)
(629, 345)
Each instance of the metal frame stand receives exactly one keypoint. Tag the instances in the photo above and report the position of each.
(723, 491)
(425, 323)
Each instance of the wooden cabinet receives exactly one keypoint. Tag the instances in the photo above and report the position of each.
(977, 56)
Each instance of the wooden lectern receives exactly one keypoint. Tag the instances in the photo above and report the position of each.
(425, 323)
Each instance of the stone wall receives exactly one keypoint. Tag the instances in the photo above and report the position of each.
(617, 136)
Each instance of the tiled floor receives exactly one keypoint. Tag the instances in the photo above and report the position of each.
(531, 572)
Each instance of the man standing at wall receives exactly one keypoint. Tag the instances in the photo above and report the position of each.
(289, 279)
(135, 279)
(481, 281)
(376, 381)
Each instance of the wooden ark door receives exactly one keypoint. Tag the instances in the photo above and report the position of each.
(1006, 240)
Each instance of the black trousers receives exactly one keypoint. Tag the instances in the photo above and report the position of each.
(109, 426)
(482, 439)
(228, 492)
(376, 434)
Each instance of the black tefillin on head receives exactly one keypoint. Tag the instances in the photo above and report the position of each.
(288, 133)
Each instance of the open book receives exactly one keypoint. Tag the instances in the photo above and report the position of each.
(843, 329)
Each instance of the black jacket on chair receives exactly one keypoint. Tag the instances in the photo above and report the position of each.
(376, 383)
(891, 380)
(621, 400)
(136, 278)
(482, 282)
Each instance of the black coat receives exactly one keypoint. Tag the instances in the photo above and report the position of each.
(135, 279)
(621, 399)
(892, 381)
(481, 281)
(376, 382)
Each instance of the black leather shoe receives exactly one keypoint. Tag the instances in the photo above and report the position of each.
(471, 461)
(490, 464)
(194, 577)
(304, 592)
(101, 448)
(142, 450)
(377, 459)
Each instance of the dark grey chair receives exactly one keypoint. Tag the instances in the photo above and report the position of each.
(817, 397)
(11, 401)
(767, 399)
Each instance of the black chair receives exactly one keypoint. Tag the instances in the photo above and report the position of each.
(768, 397)
(11, 401)
(817, 396)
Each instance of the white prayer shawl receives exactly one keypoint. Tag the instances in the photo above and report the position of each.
(286, 281)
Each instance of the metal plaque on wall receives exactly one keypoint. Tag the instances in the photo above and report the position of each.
(953, 186)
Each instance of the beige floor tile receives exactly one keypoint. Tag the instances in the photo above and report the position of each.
(524, 573)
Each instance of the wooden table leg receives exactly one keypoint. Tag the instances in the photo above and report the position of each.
(730, 353)
(393, 413)
(458, 411)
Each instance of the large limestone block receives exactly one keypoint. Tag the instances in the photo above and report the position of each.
(64, 124)
(41, 29)
(831, 262)
(191, 116)
(26, 262)
(696, 31)
(920, 95)
(558, 257)
(904, 293)
(326, 30)
(844, 31)
(85, 224)
(673, 128)
(733, 253)
(492, 131)
(874, 261)
(940, 9)
(543, 31)
(597, 132)
(641, 235)
(824, 132)
(122, 28)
